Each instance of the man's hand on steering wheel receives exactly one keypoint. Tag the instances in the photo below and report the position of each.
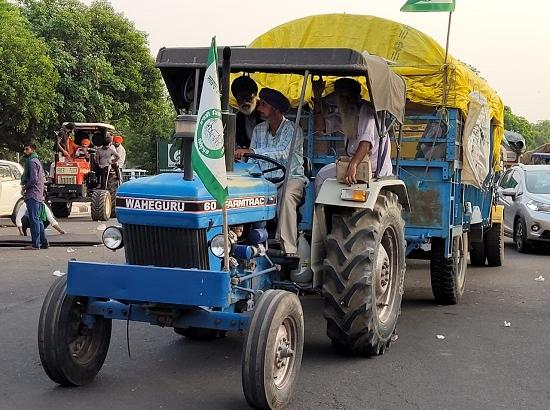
(241, 152)
(277, 166)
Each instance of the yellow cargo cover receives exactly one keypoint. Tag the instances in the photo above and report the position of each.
(412, 54)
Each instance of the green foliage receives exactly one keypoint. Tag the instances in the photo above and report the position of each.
(541, 133)
(106, 71)
(518, 124)
(27, 80)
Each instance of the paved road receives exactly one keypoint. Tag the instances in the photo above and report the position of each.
(481, 364)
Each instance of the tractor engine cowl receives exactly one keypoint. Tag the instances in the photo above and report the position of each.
(169, 222)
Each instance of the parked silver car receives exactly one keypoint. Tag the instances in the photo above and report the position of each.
(524, 190)
(10, 189)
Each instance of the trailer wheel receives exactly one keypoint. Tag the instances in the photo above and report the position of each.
(101, 205)
(364, 271)
(71, 352)
(272, 353)
(477, 253)
(494, 244)
(61, 209)
(448, 274)
(199, 333)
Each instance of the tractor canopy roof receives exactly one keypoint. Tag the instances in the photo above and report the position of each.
(387, 90)
(91, 126)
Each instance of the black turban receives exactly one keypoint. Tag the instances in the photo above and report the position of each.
(347, 84)
(275, 99)
(243, 84)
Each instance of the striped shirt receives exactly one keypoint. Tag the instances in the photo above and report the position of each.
(277, 147)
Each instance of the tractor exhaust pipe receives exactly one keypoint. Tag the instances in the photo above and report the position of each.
(185, 130)
(228, 118)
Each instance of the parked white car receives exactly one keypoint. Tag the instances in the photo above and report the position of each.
(10, 189)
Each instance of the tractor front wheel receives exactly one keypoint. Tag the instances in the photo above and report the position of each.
(71, 350)
(272, 353)
(364, 271)
(101, 205)
(448, 274)
(61, 209)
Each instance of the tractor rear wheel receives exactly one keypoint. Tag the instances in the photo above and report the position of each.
(113, 184)
(61, 209)
(364, 271)
(71, 352)
(272, 353)
(494, 244)
(199, 333)
(448, 274)
(101, 205)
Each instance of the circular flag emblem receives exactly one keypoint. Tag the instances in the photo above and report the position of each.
(210, 134)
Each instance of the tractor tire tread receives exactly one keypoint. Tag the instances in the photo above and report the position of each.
(347, 283)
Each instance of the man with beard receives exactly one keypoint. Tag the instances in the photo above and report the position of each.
(273, 138)
(359, 128)
(32, 183)
(245, 91)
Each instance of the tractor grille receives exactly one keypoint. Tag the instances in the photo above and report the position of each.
(166, 247)
(66, 179)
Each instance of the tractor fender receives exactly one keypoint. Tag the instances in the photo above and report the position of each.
(330, 195)
(331, 192)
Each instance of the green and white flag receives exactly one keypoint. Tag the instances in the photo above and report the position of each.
(429, 5)
(208, 157)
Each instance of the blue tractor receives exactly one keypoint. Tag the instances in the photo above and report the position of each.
(171, 231)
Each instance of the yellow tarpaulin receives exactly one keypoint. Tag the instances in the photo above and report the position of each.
(412, 54)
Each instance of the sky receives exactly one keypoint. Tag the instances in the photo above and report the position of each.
(506, 40)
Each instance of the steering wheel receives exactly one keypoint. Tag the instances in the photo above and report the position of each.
(277, 166)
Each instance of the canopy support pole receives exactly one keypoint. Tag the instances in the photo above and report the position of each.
(445, 66)
(291, 156)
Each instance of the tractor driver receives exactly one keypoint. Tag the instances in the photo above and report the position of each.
(245, 91)
(359, 127)
(273, 138)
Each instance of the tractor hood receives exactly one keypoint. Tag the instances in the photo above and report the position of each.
(169, 200)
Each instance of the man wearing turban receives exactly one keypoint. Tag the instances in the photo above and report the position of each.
(361, 138)
(273, 138)
(245, 91)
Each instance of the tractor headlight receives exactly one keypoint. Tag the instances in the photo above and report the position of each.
(217, 246)
(112, 238)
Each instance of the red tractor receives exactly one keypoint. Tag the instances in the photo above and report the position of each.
(75, 178)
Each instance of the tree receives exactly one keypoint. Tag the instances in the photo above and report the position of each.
(107, 73)
(541, 132)
(519, 124)
(27, 81)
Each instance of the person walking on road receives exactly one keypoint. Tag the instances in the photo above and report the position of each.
(32, 182)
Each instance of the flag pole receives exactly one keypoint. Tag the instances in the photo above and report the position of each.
(225, 240)
(445, 66)
(226, 72)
